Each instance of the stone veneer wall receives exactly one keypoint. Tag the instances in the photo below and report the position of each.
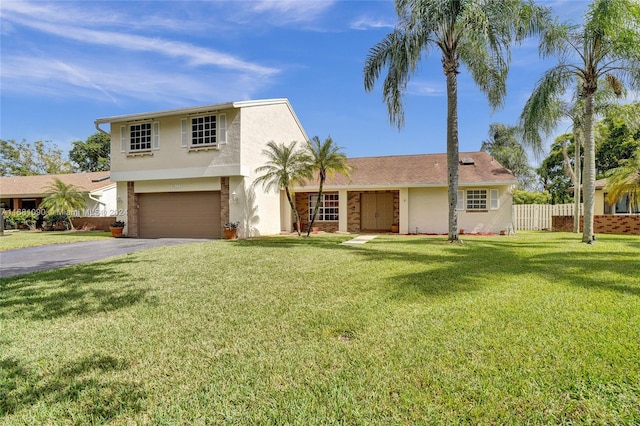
(132, 211)
(602, 224)
(353, 211)
(224, 201)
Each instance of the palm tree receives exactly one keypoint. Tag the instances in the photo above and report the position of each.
(326, 159)
(625, 180)
(606, 46)
(284, 168)
(63, 200)
(477, 33)
(535, 118)
(503, 145)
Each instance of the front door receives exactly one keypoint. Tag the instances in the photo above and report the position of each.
(376, 211)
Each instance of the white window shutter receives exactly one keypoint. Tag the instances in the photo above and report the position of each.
(495, 201)
(222, 129)
(183, 124)
(123, 138)
(460, 204)
(156, 134)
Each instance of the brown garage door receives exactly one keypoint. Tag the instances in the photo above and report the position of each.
(179, 215)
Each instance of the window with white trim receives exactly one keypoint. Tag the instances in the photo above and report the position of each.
(140, 136)
(476, 199)
(204, 131)
(328, 209)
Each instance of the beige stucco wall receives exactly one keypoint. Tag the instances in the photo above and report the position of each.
(599, 201)
(260, 125)
(428, 211)
(172, 160)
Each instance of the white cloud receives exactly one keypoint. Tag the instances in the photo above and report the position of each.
(291, 11)
(424, 88)
(366, 23)
(108, 81)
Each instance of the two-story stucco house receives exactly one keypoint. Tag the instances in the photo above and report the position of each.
(186, 172)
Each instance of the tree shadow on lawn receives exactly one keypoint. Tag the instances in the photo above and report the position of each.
(596, 271)
(76, 290)
(79, 387)
(451, 269)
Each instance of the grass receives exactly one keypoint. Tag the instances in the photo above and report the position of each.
(21, 239)
(536, 328)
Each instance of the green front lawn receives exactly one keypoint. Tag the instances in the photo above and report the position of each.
(536, 328)
(20, 239)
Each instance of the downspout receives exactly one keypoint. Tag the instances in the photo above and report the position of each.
(100, 130)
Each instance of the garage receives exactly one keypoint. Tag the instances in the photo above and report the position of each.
(179, 215)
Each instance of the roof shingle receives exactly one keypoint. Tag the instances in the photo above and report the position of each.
(36, 186)
(421, 170)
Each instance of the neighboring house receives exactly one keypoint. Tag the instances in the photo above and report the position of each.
(410, 191)
(27, 192)
(622, 205)
(186, 172)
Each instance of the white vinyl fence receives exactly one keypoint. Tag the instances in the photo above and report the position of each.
(536, 217)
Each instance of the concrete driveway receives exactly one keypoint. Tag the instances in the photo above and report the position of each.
(42, 258)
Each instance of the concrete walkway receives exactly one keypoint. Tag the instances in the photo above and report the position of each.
(43, 258)
(361, 239)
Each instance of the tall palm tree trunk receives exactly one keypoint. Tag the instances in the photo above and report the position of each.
(295, 211)
(577, 184)
(316, 208)
(452, 150)
(589, 180)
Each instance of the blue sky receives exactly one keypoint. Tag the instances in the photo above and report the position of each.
(66, 63)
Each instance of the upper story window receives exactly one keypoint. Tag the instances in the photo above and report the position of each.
(204, 131)
(328, 209)
(140, 137)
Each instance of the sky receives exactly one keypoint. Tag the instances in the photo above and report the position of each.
(65, 64)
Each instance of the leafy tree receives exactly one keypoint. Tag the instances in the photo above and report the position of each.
(617, 137)
(521, 196)
(625, 179)
(63, 199)
(553, 169)
(92, 155)
(285, 167)
(25, 159)
(503, 145)
(476, 33)
(605, 47)
(326, 159)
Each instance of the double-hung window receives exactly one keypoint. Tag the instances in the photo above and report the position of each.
(140, 137)
(328, 209)
(207, 131)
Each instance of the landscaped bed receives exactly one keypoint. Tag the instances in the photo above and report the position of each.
(535, 328)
